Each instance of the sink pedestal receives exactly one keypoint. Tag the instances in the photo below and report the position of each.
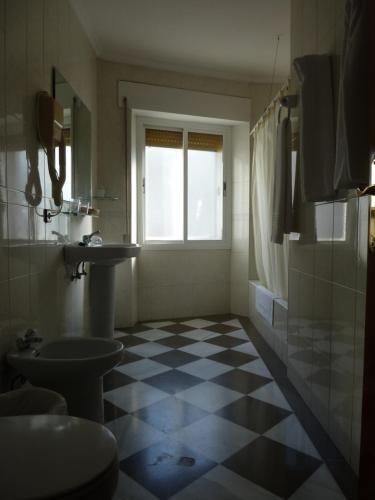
(102, 300)
(103, 260)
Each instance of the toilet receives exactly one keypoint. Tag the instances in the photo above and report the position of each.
(56, 457)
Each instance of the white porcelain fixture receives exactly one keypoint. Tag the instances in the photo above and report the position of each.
(32, 401)
(73, 367)
(102, 280)
(56, 457)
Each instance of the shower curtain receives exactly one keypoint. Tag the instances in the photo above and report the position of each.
(271, 259)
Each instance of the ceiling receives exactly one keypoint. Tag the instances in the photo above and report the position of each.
(233, 39)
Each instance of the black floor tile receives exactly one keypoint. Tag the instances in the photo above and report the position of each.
(138, 328)
(225, 341)
(176, 341)
(241, 381)
(132, 340)
(219, 318)
(173, 381)
(232, 358)
(115, 379)
(111, 412)
(177, 328)
(129, 357)
(253, 414)
(175, 358)
(166, 467)
(274, 466)
(220, 328)
(170, 414)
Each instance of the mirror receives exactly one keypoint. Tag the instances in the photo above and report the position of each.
(77, 135)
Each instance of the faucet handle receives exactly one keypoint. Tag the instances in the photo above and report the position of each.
(31, 336)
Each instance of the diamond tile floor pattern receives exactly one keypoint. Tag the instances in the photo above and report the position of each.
(198, 415)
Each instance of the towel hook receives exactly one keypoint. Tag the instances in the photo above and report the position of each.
(288, 101)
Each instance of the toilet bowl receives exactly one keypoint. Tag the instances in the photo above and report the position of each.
(56, 457)
(31, 400)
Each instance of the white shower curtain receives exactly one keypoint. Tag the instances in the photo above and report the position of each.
(271, 259)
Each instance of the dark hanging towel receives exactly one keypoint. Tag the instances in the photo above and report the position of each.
(317, 130)
(352, 167)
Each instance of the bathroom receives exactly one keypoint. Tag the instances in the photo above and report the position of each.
(260, 351)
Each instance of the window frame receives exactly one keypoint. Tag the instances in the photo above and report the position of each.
(144, 122)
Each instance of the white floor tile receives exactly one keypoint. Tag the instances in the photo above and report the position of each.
(128, 489)
(133, 435)
(204, 489)
(291, 433)
(237, 485)
(311, 491)
(215, 437)
(239, 334)
(258, 367)
(142, 369)
(200, 335)
(117, 334)
(322, 477)
(209, 396)
(270, 393)
(198, 323)
(233, 322)
(153, 335)
(134, 396)
(205, 368)
(202, 349)
(159, 324)
(247, 348)
(148, 349)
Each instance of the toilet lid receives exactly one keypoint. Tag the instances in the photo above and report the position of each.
(46, 455)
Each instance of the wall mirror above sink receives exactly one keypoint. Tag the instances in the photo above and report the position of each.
(77, 136)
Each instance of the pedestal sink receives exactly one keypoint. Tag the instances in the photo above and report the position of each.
(102, 280)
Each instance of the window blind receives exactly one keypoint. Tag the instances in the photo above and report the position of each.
(163, 138)
(205, 142)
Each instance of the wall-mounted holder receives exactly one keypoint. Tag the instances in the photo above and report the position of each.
(288, 101)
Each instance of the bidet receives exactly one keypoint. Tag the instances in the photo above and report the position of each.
(73, 367)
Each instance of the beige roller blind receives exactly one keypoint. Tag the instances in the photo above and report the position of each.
(163, 138)
(205, 142)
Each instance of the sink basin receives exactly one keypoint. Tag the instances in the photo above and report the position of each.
(109, 254)
(73, 367)
(31, 401)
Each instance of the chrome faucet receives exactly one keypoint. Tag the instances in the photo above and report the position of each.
(29, 338)
(61, 238)
(86, 238)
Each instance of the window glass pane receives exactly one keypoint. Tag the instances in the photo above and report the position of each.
(164, 194)
(205, 195)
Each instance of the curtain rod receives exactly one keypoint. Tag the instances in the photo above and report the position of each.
(270, 106)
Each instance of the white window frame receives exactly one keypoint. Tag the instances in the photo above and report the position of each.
(144, 122)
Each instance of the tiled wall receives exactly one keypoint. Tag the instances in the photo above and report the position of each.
(327, 275)
(35, 36)
(239, 257)
(170, 283)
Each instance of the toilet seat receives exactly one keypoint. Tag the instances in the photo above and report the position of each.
(55, 456)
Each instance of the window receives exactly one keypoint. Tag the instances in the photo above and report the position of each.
(183, 184)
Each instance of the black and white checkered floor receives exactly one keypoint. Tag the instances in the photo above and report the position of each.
(198, 415)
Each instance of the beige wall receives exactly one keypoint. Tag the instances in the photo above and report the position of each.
(327, 279)
(35, 36)
(170, 283)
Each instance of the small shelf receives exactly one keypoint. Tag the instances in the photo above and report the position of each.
(108, 198)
